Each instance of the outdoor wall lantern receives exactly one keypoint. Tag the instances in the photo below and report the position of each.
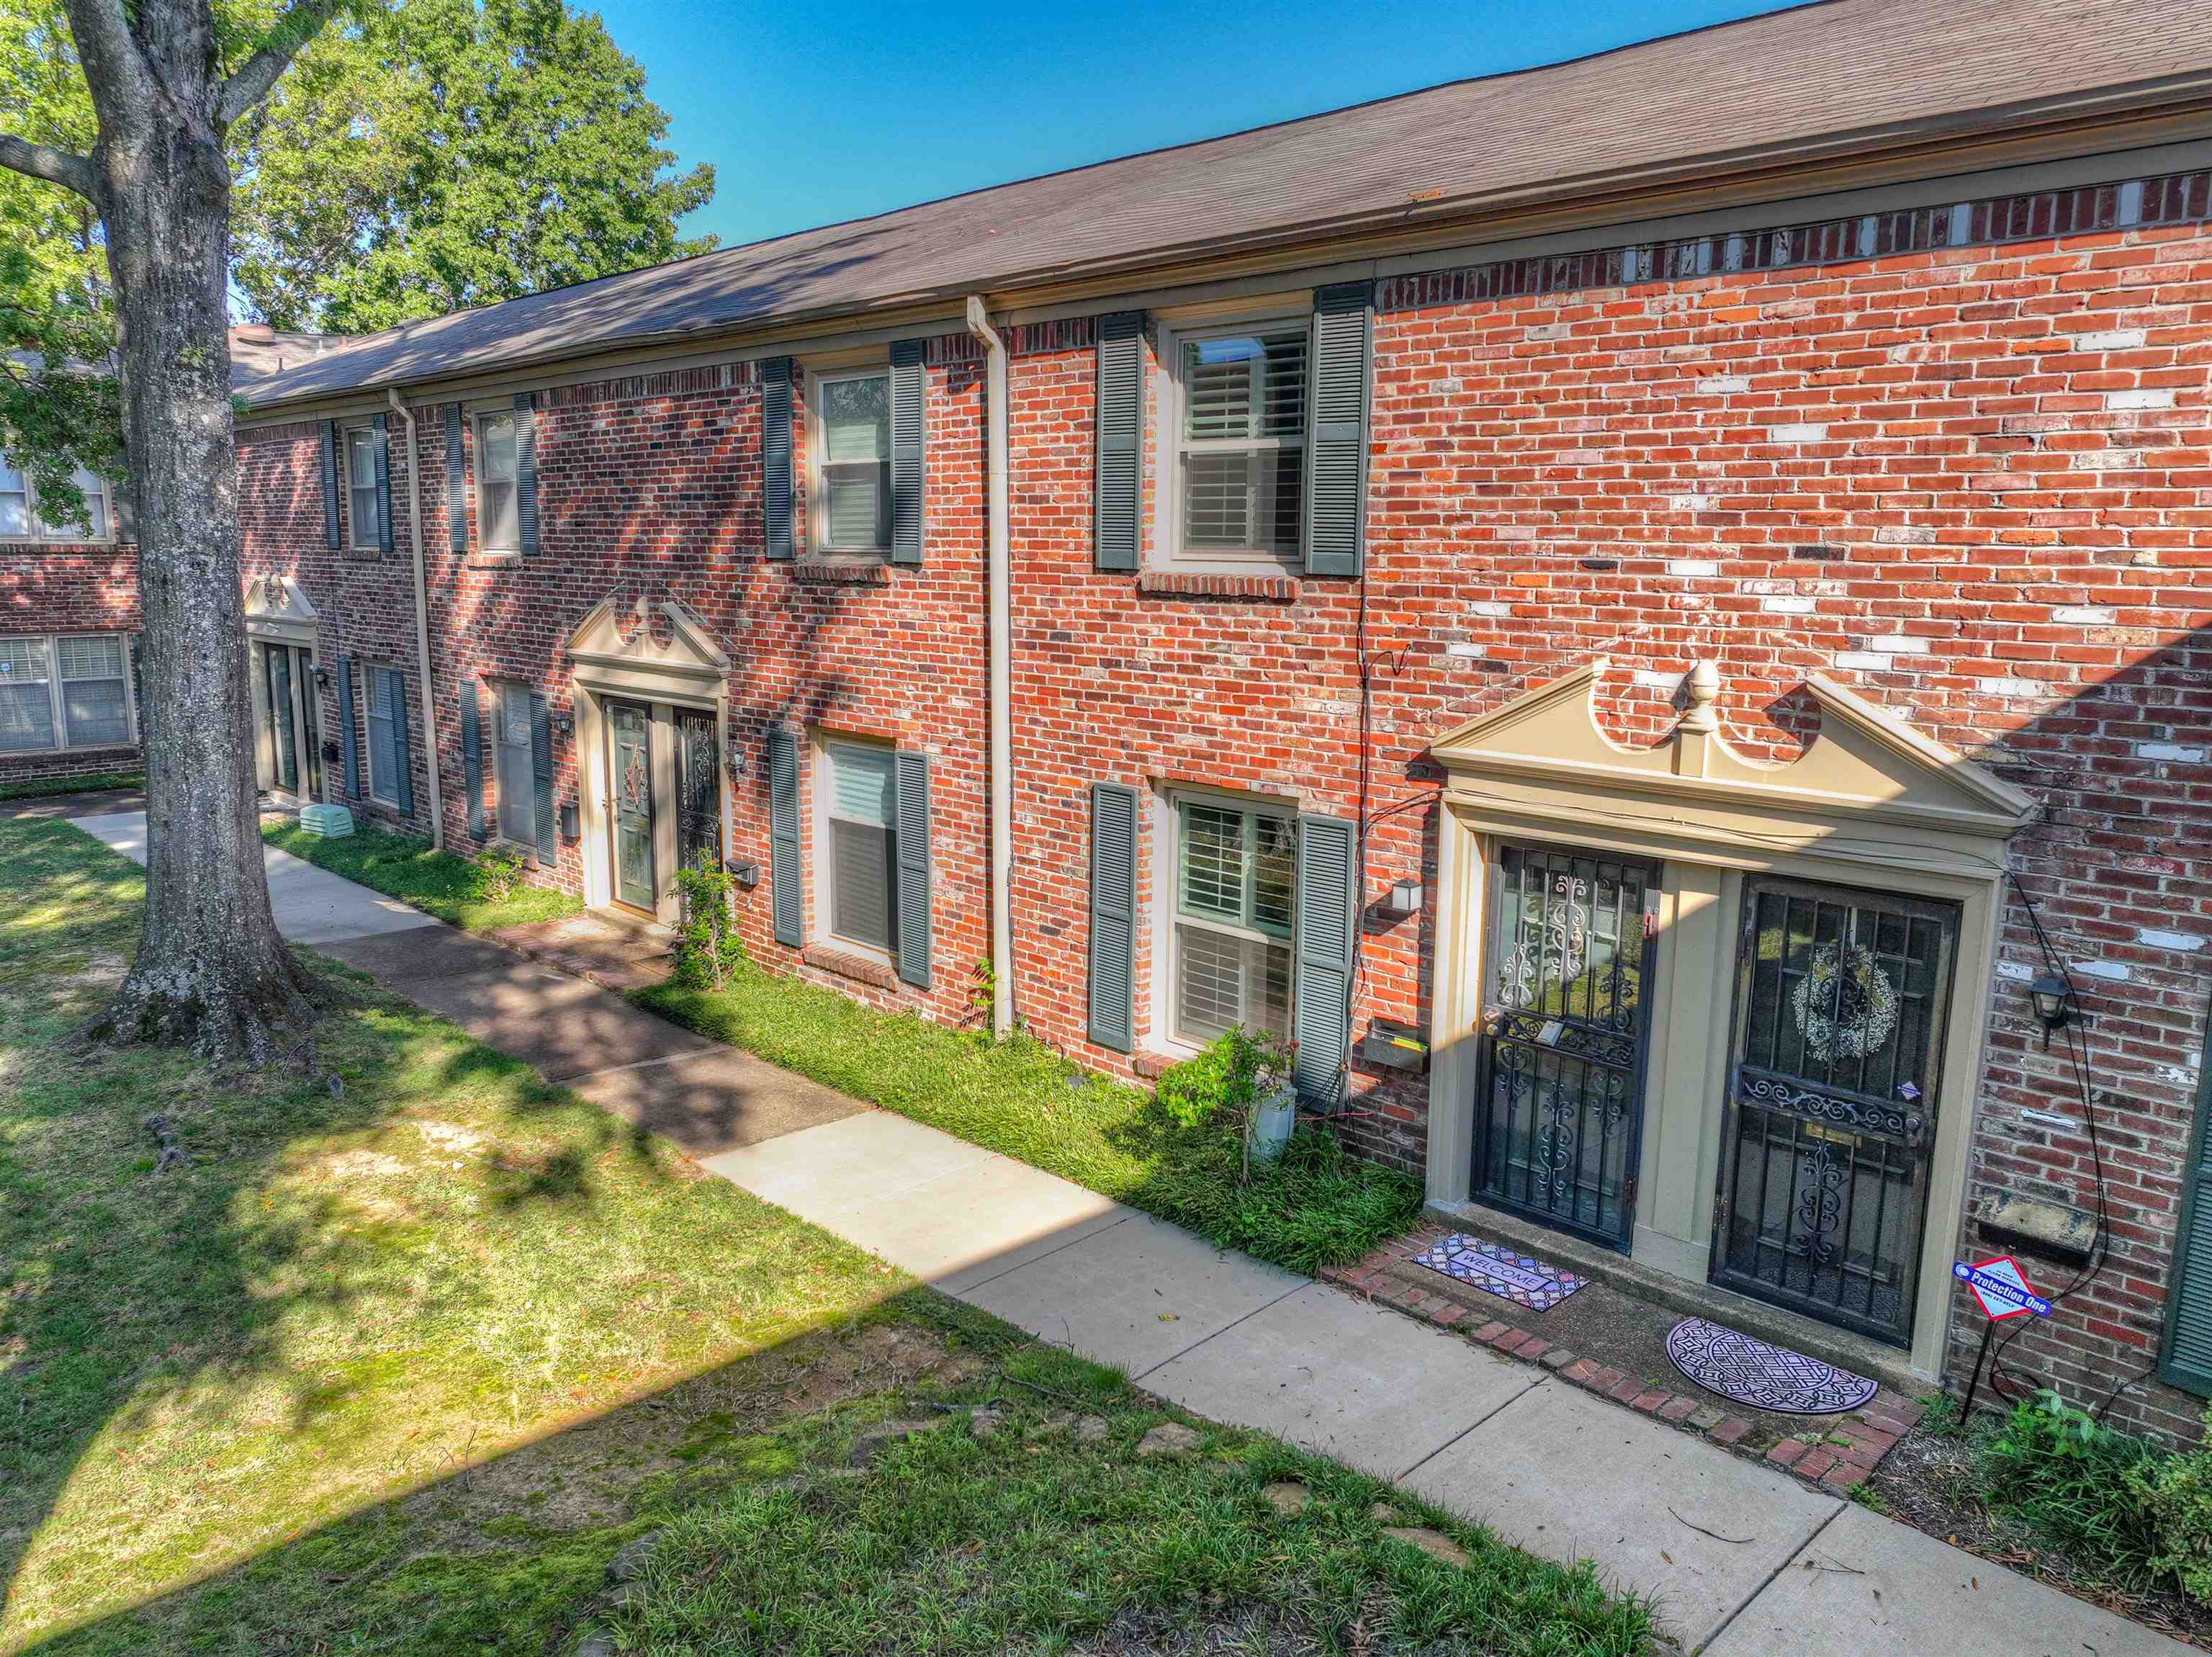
(733, 760)
(562, 724)
(1402, 899)
(2053, 998)
(322, 679)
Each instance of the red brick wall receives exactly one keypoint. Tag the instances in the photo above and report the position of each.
(1971, 482)
(68, 588)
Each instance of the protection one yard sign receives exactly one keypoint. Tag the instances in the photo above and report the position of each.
(2000, 1289)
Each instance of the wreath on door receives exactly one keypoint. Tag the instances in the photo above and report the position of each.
(1845, 1005)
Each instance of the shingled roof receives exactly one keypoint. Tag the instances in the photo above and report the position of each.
(1827, 78)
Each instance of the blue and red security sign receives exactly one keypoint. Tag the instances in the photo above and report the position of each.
(2000, 1289)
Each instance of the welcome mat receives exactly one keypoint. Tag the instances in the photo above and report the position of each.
(1748, 1370)
(1499, 1271)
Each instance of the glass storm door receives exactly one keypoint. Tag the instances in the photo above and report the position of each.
(283, 736)
(1839, 1011)
(631, 764)
(698, 791)
(1561, 1080)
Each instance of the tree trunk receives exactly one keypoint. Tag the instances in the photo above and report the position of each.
(211, 972)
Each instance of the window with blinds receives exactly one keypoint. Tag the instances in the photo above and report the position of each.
(361, 494)
(1236, 872)
(499, 521)
(514, 766)
(70, 691)
(859, 797)
(24, 517)
(853, 473)
(384, 735)
(26, 695)
(95, 689)
(1241, 444)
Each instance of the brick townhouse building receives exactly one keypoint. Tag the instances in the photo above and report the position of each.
(1646, 610)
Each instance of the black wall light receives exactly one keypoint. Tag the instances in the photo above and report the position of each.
(2053, 1000)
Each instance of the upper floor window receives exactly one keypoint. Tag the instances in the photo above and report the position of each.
(1239, 456)
(365, 500)
(851, 485)
(23, 516)
(499, 525)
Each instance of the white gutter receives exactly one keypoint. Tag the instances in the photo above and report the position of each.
(422, 622)
(999, 581)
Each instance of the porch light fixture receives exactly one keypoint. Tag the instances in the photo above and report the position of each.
(1403, 898)
(322, 679)
(2053, 1000)
(564, 724)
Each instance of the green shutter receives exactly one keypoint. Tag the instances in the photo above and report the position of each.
(457, 483)
(785, 906)
(913, 835)
(473, 756)
(541, 777)
(525, 469)
(331, 484)
(2185, 1356)
(347, 740)
(1112, 916)
(1117, 492)
(403, 754)
(1325, 923)
(1336, 455)
(775, 454)
(910, 445)
(383, 482)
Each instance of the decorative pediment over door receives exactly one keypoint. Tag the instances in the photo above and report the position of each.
(1869, 787)
(649, 650)
(275, 608)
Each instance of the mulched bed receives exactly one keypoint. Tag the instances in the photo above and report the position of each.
(1929, 1482)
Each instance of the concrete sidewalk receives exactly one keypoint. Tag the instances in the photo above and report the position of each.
(1739, 1558)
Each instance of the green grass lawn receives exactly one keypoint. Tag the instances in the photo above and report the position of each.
(38, 788)
(402, 1365)
(454, 889)
(1316, 1207)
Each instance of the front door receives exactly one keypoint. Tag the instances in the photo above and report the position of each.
(629, 738)
(1560, 1099)
(1838, 1033)
(284, 728)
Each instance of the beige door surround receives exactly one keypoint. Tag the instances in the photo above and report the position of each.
(279, 613)
(1870, 802)
(659, 653)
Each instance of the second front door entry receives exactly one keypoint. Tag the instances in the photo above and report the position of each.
(629, 764)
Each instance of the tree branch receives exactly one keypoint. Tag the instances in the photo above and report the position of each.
(63, 167)
(295, 27)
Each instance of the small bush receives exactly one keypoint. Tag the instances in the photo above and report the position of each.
(2081, 1481)
(708, 945)
(502, 869)
(1231, 1075)
(2175, 1494)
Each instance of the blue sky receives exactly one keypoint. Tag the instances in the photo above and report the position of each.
(812, 114)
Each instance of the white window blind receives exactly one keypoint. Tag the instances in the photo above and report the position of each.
(27, 696)
(383, 735)
(96, 692)
(497, 520)
(855, 474)
(14, 501)
(360, 487)
(518, 783)
(1236, 869)
(1241, 443)
(863, 844)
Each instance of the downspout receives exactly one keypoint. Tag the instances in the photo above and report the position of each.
(998, 582)
(422, 622)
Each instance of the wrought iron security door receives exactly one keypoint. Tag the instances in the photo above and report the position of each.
(1840, 1011)
(1561, 1087)
(698, 791)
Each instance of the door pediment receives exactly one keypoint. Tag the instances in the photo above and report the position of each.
(649, 650)
(276, 608)
(1544, 752)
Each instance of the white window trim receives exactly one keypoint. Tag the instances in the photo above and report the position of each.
(480, 478)
(45, 534)
(1166, 551)
(1166, 871)
(354, 542)
(818, 446)
(61, 744)
(820, 861)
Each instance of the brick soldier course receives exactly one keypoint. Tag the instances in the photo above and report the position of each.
(1948, 446)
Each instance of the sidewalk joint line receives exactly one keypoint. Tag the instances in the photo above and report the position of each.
(618, 1069)
(1503, 1404)
(966, 1288)
(1311, 1282)
(1767, 1582)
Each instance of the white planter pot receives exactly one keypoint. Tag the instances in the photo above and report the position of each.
(1273, 1120)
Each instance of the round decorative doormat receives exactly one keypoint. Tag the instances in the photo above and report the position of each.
(1748, 1370)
